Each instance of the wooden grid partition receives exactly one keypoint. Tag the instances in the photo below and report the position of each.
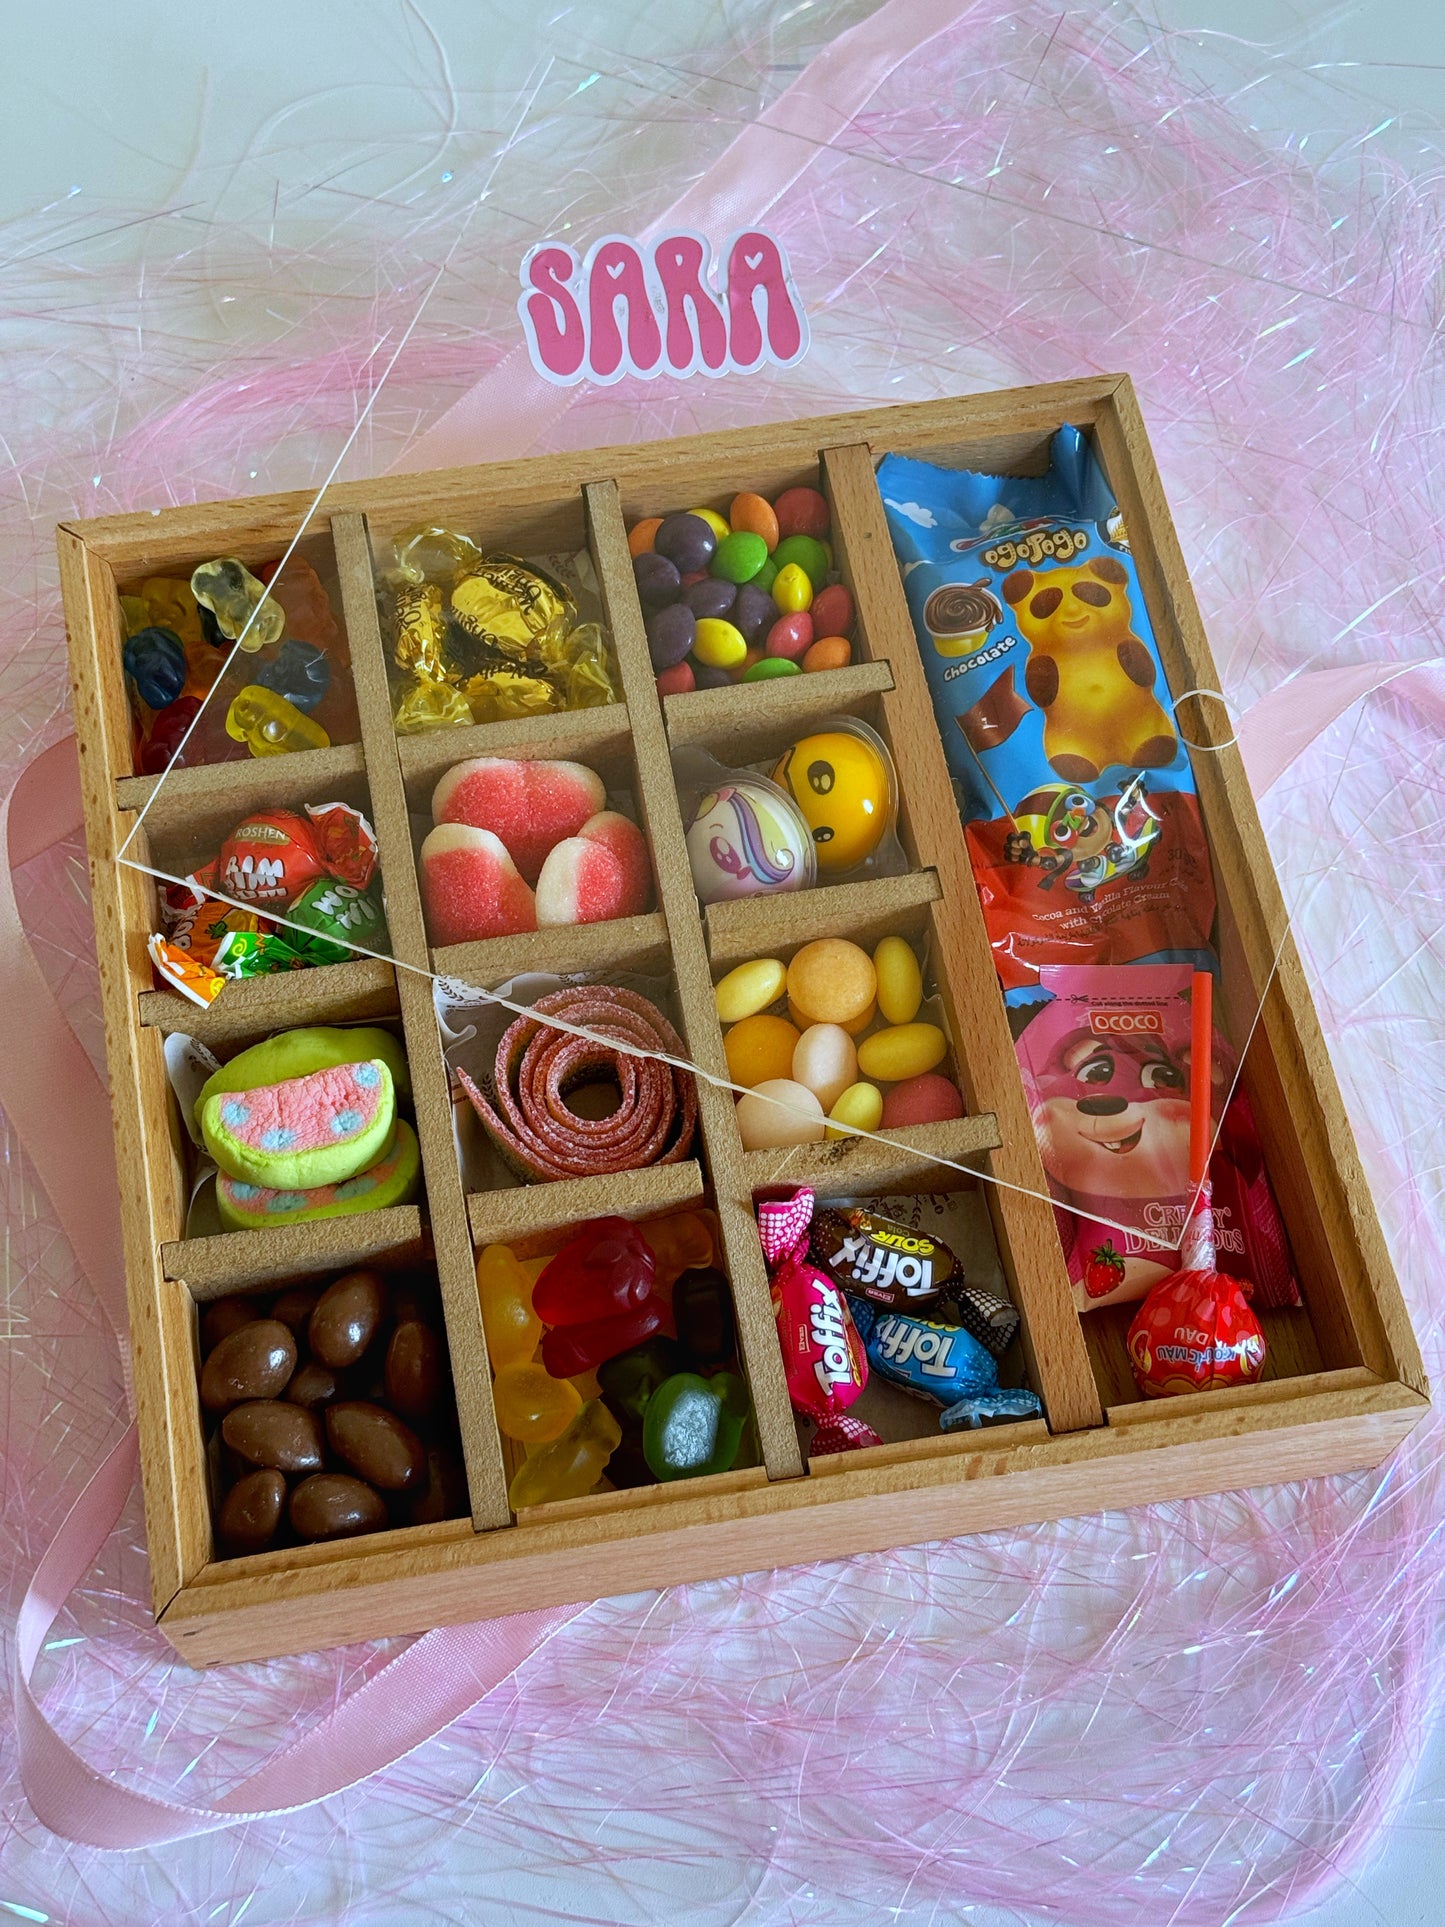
(1345, 1380)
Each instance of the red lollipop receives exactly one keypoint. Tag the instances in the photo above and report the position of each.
(1195, 1330)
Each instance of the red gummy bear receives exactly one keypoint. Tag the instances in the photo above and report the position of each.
(606, 1270)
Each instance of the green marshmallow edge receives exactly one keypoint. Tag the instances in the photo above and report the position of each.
(296, 1053)
(311, 1167)
(398, 1187)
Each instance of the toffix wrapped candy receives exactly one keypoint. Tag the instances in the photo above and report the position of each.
(942, 1363)
(823, 1356)
(1078, 799)
(1105, 1059)
(875, 1258)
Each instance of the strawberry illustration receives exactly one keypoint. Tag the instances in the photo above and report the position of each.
(1104, 1272)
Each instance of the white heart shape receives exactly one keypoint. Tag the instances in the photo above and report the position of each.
(614, 268)
(753, 260)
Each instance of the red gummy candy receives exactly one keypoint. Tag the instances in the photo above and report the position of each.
(606, 1270)
(570, 1349)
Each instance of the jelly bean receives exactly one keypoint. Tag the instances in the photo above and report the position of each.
(759, 1048)
(167, 735)
(513, 1330)
(719, 645)
(702, 1308)
(832, 981)
(770, 669)
(670, 635)
(928, 1099)
(832, 611)
(686, 540)
(532, 1406)
(900, 981)
(694, 1426)
(791, 636)
(754, 613)
(711, 597)
(629, 1380)
(657, 579)
(904, 1050)
(606, 1268)
(238, 604)
(376, 1445)
(155, 661)
(802, 552)
(777, 1112)
(825, 1062)
(749, 988)
(792, 591)
(766, 576)
(828, 652)
(678, 1242)
(861, 1105)
(680, 680)
(802, 511)
(301, 673)
(572, 1464)
(252, 1362)
(708, 676)
(570, 1349)
(752, 513)
(270, 725)
(739, 556)
(640, 536)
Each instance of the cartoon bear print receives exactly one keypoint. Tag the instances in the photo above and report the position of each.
(1088, 671)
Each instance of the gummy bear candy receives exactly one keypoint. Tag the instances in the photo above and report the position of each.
(170, 726)
(271, 725)
(604, 1270)
(227, 591)
(694, 1426)
(572, 1464)
(155, 661)
(532, 1406)
(678, 1242)
(512, 1328)
(301, 673)
(569, 1349)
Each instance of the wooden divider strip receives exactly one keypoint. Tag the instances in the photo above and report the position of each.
(1302, 1109)
(657, 800)
(1019, 1204)
(456, 1269)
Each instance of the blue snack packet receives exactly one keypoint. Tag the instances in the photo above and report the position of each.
(1075, 787)
(938, 1362)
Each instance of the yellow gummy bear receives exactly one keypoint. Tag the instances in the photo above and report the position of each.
(229, 590)
(271, 725)
(572, 1464)
(513, 1330)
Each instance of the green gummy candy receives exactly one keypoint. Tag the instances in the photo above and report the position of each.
(769, 668)
(693, 1426)
(296, 1053)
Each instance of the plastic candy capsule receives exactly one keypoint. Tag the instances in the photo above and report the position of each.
(842, 783)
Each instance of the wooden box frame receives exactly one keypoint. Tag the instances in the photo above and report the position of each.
(1342, 1397)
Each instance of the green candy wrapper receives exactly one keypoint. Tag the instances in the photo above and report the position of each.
(261, 953)
(342, 913)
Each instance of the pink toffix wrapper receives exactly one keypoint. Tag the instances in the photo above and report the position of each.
(823, 1357)
(1105, 1065)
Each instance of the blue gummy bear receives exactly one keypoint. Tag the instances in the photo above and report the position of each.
(300, 671)
(155, 661)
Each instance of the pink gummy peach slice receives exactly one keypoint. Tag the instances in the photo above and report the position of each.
(598, 875)
(471, 887)
(530, 805)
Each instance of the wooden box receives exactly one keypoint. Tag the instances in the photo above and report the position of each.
(1344, 1381)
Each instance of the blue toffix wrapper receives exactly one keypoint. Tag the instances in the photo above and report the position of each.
(1082, 822)
(939, 1362)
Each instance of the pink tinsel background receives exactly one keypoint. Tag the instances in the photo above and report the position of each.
(1190, 1714)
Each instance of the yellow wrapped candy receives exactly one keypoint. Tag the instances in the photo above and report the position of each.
(419, 614)
(425, 552)
(431, 705)
(504, 695)
(510, 607)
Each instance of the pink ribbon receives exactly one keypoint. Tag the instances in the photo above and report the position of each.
(442, 1674)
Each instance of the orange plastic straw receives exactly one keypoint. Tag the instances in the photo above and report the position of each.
(1201, 1013)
